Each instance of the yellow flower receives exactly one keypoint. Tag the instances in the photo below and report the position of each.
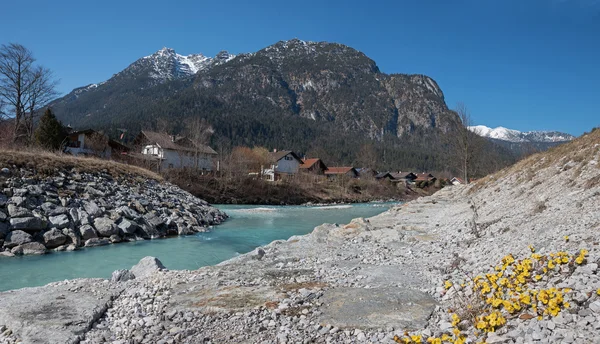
(579, 260)
(448, 285)
(598, 291)
(538, 277)
(455, 320)
(532, 248)
(417, 339)
(566, 238)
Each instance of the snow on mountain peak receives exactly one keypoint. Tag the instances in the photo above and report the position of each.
(505, 134)
(166, 64)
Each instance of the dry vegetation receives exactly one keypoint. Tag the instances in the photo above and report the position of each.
(48, 163)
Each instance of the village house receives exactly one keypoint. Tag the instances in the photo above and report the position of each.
(334, 172)
(384, 176)
(425, 177)
(282, 163)
(92, 143)
(314, 165)
(457, 181)
(169, 151)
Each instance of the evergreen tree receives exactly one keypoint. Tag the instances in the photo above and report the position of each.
(50, 133)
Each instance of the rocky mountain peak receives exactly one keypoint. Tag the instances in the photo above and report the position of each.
(511, 135)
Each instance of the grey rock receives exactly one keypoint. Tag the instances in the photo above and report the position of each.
(27, 223)
(3, 216)
(16, 238)
(259, 253)
(84, 217)
(15, 211)
(97, 242)
(92, 209)
(3, 200)
(377, 307)
(50, 315)
(87, 232)
(5, 170)
(54, 238)
(73, 235)
(127, 227)
(59, 221)
(122, 276)
(30, 248)
(146, 267)
(128, 213)
(595, 306)
(115, 238)
(105, 226)
(74, 214)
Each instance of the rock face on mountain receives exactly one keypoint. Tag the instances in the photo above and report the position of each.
(318, 81)
(69, 210)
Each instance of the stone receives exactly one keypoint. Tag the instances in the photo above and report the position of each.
(122, 276)
(97, 242)
(5, 171)
(3, 216)
(30, 248)
(92, 209)
(259, 253)
(595, 306)
(146, 267)
(59, 221)
(15, 211)
(73, 235)
(3, 200)
(128, 213)
(54, 238)
(105, 226)
(377, 307)
(16, 238)
(87, 232)
(84, 217)
(27, 223)
(74, 214)
(127, 227)
(115, 238)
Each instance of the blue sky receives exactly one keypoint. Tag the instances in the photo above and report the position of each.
(526, 65)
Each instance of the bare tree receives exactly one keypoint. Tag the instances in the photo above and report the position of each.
(465, 142)
(199, 132)
(24, 87)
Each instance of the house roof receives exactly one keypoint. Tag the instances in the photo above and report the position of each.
(339, 170)
(424, 176)
(276, 156)
(458, 179)
(383, 175)
(166, 141)
(308, 163)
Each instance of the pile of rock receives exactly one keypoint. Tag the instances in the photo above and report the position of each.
(70, 210)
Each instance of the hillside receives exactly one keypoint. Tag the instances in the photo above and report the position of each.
(317, 98)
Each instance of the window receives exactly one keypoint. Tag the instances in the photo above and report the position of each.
(288, 158)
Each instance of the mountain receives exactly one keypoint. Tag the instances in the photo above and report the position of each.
(501, 133)
(318, 98)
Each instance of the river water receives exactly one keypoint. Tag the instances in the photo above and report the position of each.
(247, 228)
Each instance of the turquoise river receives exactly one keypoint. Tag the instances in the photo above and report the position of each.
(247, 228)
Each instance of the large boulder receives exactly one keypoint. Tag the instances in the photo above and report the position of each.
(27, 223)
(54, 238)
(128, 213)
(30, 248)
(92, 209)
(127, 227)
(97, 242)
(121, 276)
(60, 221)
(73, 235)
(15, 211)
(16, 238)
(147, 267)
(87, 232)
(105, 226)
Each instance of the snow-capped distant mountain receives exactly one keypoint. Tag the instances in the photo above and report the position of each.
(511, 135)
